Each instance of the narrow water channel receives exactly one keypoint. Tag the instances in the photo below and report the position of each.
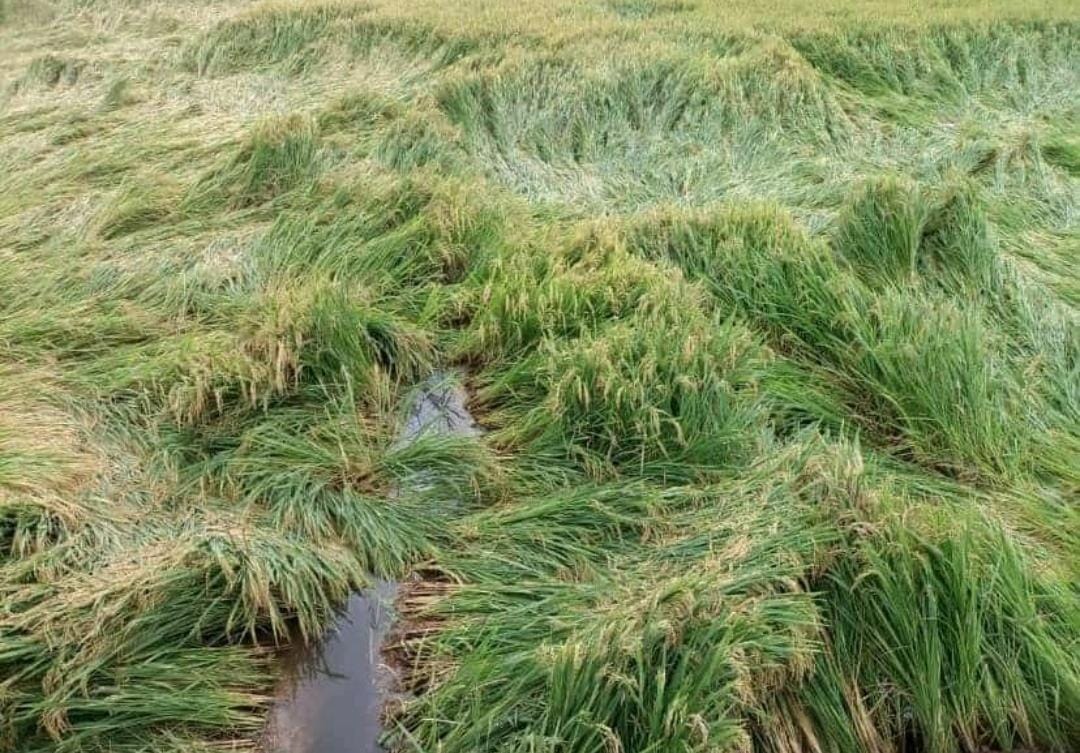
(334, 691)
(333, 694)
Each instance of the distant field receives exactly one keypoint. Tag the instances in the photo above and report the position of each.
(769, 313)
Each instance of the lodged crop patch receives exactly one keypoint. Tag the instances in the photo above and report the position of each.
(769, 315)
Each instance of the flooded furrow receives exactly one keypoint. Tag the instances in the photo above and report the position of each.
(334, 691)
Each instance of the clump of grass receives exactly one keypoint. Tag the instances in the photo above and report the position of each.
(297, 38)
(138, 205)
(360, 109)
(1064, 152)
(959, 676)
(152, 614)
(637, 9)
(959, 245)
(524, 298)
(934, 367)
(894, 232)
(651, 391)
(339, 479)
(265, 38)
(918, 370)
(279, 155)
(661, 646)
(315, 335)
(383, 233)
(944, 63)
(117, 95)
(881, 229)
(52, 71)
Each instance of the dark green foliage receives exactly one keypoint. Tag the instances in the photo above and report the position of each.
(985, 663)
(880, 231)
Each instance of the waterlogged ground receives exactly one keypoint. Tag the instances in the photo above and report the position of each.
(335, 690)
(768, 313)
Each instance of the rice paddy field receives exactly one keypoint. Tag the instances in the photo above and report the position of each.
(768, 311)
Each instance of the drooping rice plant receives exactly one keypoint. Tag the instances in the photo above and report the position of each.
(769, 314)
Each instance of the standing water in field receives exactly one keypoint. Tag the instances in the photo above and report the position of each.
(335, 690)
(438, 407)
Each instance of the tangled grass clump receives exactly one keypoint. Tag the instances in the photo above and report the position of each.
(769, 316)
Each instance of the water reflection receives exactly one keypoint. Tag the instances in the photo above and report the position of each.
(334, 691)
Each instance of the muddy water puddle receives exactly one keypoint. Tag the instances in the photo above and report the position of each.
(333, 692)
